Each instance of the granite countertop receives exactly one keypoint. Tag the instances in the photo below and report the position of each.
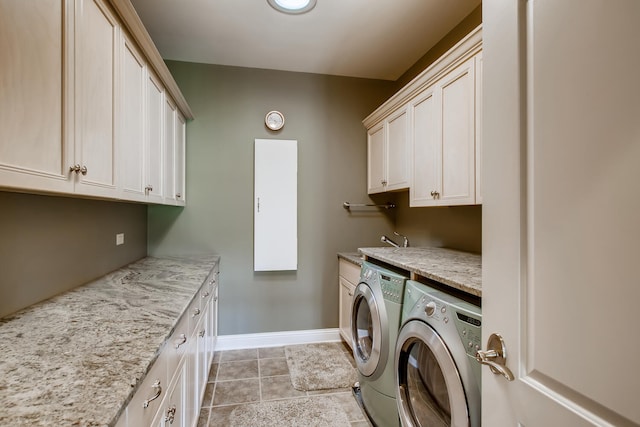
(460, 270)
(352, 257)
(77, 358)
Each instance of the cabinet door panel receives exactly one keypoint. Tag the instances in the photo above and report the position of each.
(427, 150)
(397, 151)
(458, 133)
(33, 77)
(346, 296)
(169, 150)
(96, 61)
(131, 142)
(375, 160)
(154, 141)
(180, 153)
(478, 147)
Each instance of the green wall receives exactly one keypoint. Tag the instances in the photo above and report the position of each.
(52, 244)
(324, 113)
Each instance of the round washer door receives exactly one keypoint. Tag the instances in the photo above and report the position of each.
(429, 390)
(369, 341)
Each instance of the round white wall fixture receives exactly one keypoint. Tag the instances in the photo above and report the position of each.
(293, 7)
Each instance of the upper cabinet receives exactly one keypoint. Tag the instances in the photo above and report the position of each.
(428, 134)
(82, 109)
(388, 154)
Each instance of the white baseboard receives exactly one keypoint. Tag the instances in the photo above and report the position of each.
(277, 339)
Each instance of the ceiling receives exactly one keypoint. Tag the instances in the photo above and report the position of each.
(378, 39)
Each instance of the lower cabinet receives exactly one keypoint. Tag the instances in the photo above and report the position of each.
(349, 277)
(172, 391)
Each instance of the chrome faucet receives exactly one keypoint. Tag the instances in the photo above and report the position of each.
(385, 239)
(405, 240)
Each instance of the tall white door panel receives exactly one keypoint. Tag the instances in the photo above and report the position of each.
(97, 43)
(276, 205)
(560, 211)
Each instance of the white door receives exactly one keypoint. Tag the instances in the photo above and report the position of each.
(560, 211)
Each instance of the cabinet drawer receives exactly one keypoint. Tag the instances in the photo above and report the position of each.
(350, 271)
(177, 344)
(172, 409)
(146, 402)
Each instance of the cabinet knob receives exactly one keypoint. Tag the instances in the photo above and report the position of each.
(201, 333)
(196, 311)
(383, 182)
(178, 195)
(74, 168)
(83, 170)
(435, 194)
(171, 414)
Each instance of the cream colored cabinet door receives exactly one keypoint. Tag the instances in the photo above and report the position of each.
(479, 119)
(376, 171)
(180, 160)
(97, 51)
(154, 140)
(457, 103)
(425, 135)
(131, 166)
(388, 154)
(349, 276)
(169, 151)
(444, 131)
(560, 211)
(397, 151)
(345, 300)
(36, 148)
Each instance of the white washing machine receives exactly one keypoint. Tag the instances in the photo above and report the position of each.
(375, 320)
(437, 375)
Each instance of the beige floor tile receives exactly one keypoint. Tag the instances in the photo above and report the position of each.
(237, 370)
(236, 355)
(237, 391)
(269, 352)
(273, 367)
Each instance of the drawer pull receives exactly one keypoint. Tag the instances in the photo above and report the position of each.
(201, 333)
(182, 338)
(171, 414)
(196, 311)
(158, 388)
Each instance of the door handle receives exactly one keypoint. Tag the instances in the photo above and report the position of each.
(495, 357)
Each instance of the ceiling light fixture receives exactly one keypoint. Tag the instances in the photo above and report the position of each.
(292, 7)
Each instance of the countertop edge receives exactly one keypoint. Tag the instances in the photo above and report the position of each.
(461, 270)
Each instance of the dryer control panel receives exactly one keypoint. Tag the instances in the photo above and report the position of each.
(392, 288)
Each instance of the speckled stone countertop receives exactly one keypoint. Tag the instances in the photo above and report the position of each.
(460, 270)
(352, 257)
(76, 359)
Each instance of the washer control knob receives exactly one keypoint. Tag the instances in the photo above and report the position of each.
(430, 308)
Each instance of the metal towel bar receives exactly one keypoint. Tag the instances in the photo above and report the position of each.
(348, 205)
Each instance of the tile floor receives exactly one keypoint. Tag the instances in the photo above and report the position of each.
(239, 377)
